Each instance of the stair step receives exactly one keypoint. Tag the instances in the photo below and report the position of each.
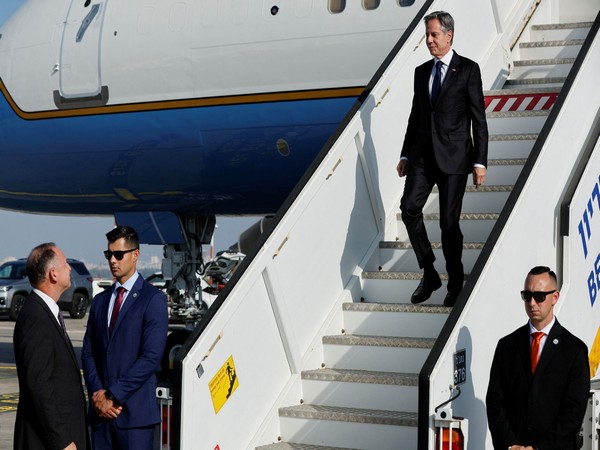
(516, 122)
(295, 446)
(560, 31)
(543, 62)
(477, 226)
(400, 245)
(355, 415)
(361, 389)
(568, 48)
(368, 429)
(516, 92)
(395, 308)
(550, 81)
(379, 341)
(465, 216)
(362, 376)
(504, 170)
(393, 259)
(490, 198)
(377, 286)
(394, 319)
(403, 276)
(378, 353)
(530, 98)
(541, 68)
(516, 145)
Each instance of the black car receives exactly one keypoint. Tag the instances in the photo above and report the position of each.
(14, 287)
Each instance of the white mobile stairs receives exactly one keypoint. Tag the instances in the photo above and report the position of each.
(315, 345)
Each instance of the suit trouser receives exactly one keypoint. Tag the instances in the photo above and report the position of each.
(420, 178)
(108, 436)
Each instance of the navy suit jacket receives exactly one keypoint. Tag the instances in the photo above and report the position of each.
(126, 362)
(544, 410)
(51, 410)
(448, 124)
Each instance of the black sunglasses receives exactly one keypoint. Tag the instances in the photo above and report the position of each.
(538, 296)
(118, 254)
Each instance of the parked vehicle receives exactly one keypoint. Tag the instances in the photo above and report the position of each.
(14, 288)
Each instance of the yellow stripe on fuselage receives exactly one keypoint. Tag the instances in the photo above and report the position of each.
(268, 97)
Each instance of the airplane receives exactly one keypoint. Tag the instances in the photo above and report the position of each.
(166, 113)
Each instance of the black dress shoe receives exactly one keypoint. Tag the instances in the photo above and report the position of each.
(450, 299)
(425, 288)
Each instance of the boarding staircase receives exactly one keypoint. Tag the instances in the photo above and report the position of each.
(366, 393)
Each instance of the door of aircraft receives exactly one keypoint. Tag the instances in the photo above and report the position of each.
(80, 49)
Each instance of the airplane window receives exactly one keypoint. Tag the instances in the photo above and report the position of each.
(406, 2)
(371, 4)
(337, 6)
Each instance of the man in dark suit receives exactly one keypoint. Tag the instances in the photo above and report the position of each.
(122, 350)
(51, 410)
(540, 377)
(438, 149)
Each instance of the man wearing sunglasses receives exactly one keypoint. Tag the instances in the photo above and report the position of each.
(122, 349)
(540, 377)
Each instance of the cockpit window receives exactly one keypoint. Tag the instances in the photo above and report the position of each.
(406, 2)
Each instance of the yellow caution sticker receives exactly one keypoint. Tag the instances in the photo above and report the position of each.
(223, 384)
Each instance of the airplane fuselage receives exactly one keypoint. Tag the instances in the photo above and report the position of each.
(184, 106)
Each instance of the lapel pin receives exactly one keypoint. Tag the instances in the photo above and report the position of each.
(135, 295)
(555, 341)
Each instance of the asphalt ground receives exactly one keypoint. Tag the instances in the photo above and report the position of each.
(9, 385)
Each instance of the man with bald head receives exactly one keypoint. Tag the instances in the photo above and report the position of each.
(51, 411)
(540, 376)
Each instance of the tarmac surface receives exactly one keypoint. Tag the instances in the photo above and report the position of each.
(9, 385)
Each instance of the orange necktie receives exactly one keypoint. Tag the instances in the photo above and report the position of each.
(535, 349)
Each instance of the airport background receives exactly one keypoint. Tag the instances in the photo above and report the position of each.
(83, 238)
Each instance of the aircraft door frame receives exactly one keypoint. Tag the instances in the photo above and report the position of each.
(79, 69)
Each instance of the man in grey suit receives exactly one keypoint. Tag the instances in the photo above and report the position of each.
(51, 414)
(447, 107)
(540, 377)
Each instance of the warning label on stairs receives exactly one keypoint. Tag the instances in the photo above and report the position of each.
(223, 384)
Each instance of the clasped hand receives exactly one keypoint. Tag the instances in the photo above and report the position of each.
(105, 407)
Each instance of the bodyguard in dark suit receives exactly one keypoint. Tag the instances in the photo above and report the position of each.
(51, 410)
(122, 350)
(446, 139)
(538, 391)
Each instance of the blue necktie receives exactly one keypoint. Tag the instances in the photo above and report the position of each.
(437, 82)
